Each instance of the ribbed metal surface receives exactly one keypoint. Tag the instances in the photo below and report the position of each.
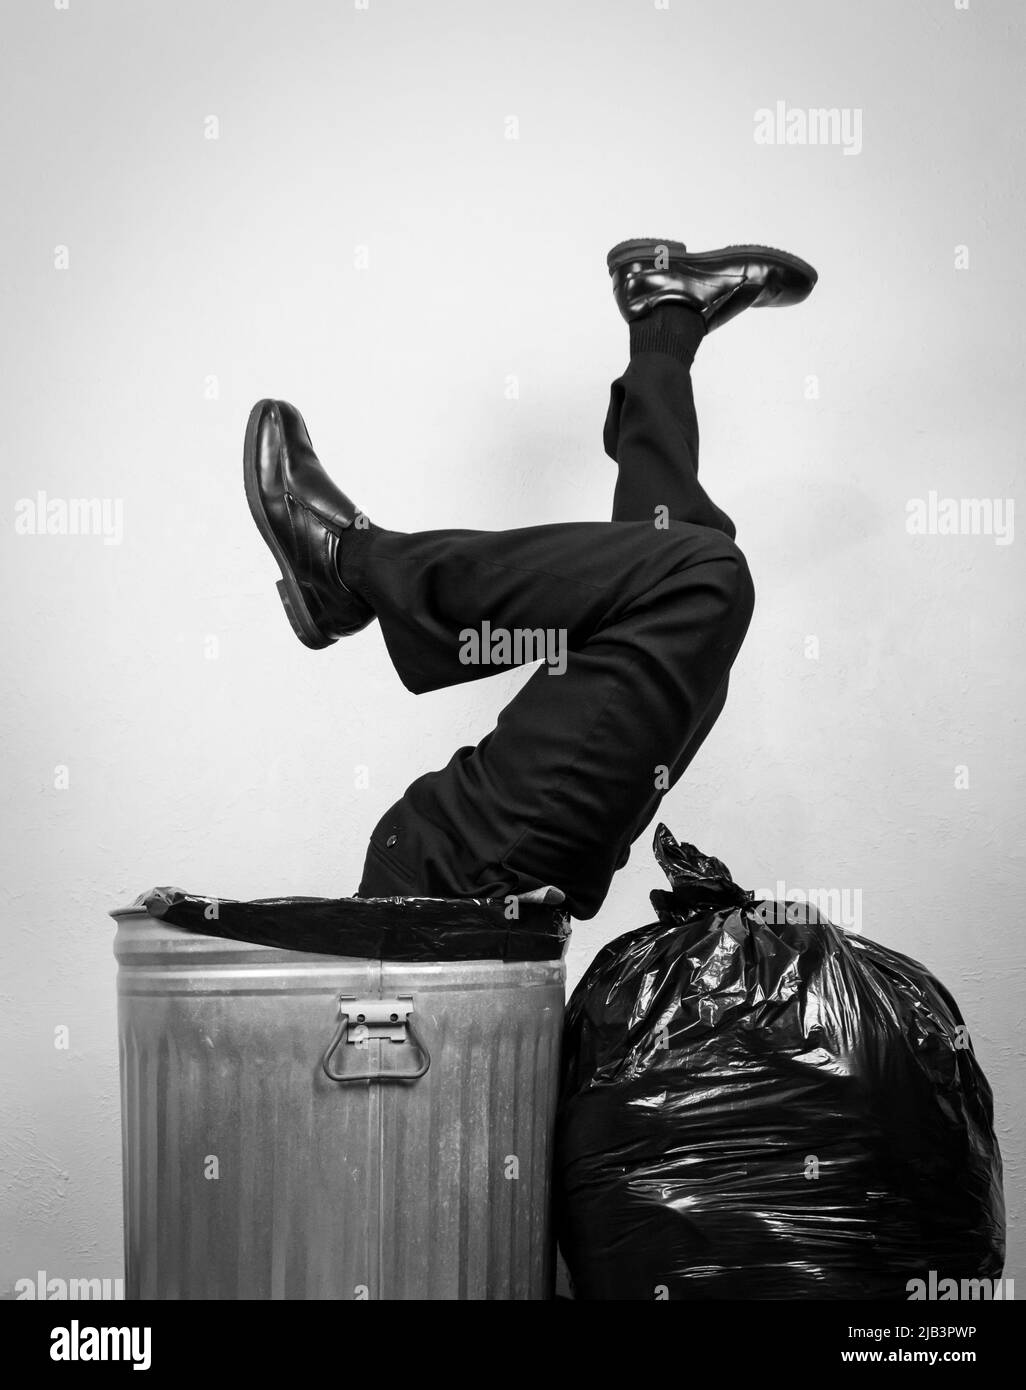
(249, 1174)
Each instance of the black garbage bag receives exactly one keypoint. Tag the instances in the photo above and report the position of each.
(758, 1105)
(394, 929)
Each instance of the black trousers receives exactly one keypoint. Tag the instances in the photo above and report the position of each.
(653, 604)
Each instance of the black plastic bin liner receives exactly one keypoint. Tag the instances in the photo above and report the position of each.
(758, 1105)
(397, 929)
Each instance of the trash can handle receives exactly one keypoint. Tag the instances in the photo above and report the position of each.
(389, 1020)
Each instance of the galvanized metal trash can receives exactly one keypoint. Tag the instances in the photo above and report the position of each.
(311, 1126)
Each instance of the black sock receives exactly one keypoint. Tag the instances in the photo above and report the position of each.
(350, 554)
(672, 328)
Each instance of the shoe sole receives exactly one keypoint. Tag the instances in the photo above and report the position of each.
(291, 595)
(640, 250)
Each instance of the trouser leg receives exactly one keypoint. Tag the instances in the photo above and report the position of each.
(651, 432)
(653, 611)
(651, 620)
(651, 429)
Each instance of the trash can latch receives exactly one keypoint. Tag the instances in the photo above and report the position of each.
(376, 1018)
(365, 1020)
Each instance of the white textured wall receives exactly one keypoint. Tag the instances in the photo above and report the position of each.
(234, 258)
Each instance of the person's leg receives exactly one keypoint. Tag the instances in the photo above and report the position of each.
(651, 429)
(653, 605)
(652, 618)
(651, 432)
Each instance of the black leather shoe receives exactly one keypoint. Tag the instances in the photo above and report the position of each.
(301, 515)
(718, 284)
